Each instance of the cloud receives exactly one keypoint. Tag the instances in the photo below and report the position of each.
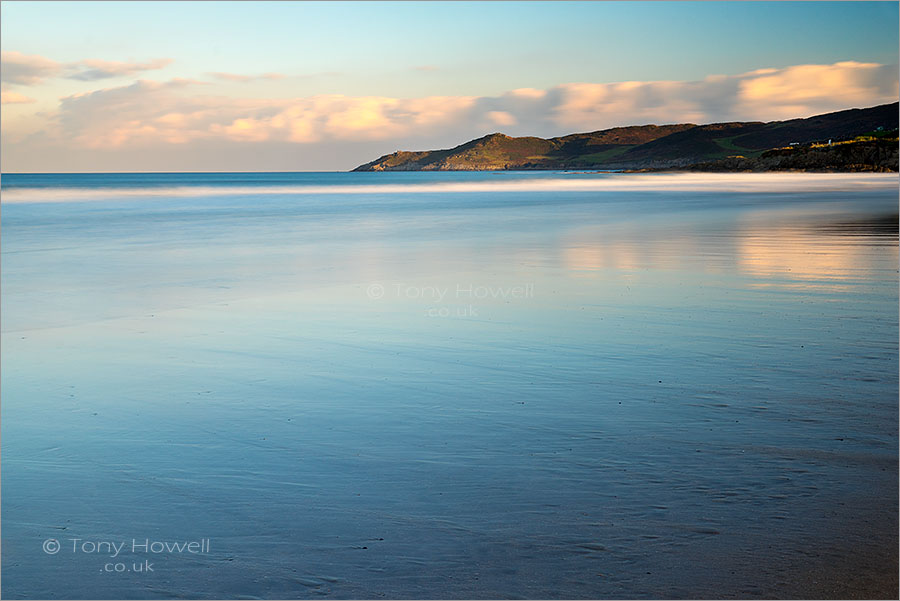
(14, 98)
(183, 113)
(148, 112)
(501, 118)
(32, 69)
(135, 114)
(817, 88)
(426, 68)
(764, 94)
(26, 69)
(337, 117)
(244, 78)
(94, 69)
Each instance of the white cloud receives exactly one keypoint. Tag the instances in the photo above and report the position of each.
(763, 94)
(148, 112)
(816, 88)
(153, 115)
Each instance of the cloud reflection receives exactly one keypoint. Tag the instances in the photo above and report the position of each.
(799, 251)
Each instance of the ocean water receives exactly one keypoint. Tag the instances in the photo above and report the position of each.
(449, 385)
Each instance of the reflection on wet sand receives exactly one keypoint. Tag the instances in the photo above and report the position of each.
(790, 254)
(823, 255)
(588, 251)
(586, 260)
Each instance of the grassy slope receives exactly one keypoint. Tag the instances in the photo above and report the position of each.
(640, 146)
(863, 154)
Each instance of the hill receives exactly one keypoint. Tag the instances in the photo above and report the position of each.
(866, 153)
(647, 146)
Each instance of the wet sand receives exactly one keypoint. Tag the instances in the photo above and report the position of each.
(678, 388)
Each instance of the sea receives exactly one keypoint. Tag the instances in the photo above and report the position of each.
(511, 385)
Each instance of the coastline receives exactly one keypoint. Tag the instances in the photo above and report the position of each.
(852, 140)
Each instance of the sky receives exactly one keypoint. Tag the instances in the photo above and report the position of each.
(326, 86)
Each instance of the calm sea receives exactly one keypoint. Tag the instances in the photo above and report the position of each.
(449, 385)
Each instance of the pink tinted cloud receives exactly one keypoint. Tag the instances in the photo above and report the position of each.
(15, 98)
(26, 69)
(32, 69)
(93, 69)
(150, 113)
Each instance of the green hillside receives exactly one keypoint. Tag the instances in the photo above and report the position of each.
(643, 146)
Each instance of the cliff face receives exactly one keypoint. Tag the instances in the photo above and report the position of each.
(652, 146)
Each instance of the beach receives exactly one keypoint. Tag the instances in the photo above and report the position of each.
(450, 385)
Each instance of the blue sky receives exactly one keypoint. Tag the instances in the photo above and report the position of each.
(409, 50)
